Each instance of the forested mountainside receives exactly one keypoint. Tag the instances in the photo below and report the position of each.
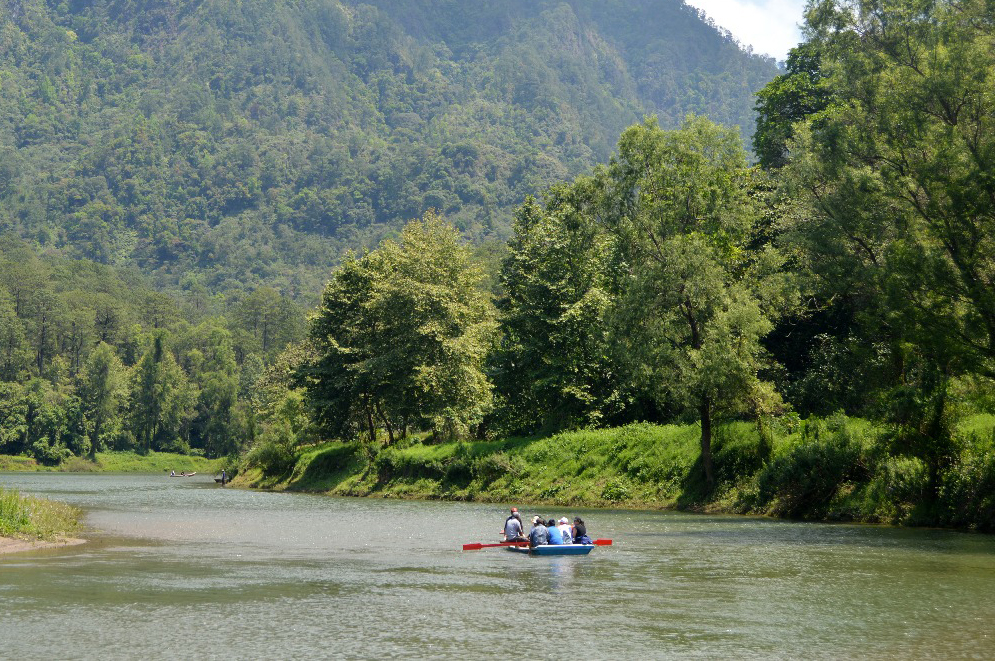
(252, 143)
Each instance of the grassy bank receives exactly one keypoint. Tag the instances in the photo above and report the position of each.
(838, 469)
(118, 462)
(38, 518)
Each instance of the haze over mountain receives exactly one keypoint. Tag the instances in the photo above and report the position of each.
(251, 143)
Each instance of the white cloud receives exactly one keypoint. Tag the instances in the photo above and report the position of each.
(770, 26)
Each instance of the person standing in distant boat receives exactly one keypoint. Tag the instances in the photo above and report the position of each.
(513, 531)
(223, 477)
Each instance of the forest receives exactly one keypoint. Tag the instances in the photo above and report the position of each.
(253, 143)
(179, 178)
(818, 310)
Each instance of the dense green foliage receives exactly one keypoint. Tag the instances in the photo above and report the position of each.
(252, 143)
(888, 198)
(400, 339)
(92, 358)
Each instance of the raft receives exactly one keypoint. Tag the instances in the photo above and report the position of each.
(554, 549)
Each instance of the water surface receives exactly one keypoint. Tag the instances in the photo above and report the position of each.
(180, 568)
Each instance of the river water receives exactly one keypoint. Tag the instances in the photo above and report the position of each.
(180, 568)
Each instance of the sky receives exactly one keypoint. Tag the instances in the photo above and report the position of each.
(770, 26)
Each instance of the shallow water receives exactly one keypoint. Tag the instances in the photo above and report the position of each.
(180, 568)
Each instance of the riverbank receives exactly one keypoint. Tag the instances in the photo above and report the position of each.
(29, 523)
(119, 462)
(832, 469)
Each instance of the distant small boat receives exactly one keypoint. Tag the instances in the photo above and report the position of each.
(182, 474)
(554, 549)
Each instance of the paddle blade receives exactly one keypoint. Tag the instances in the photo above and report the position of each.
(472, 547)
(602, 542)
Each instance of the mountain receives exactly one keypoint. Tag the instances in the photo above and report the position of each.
(249, 143)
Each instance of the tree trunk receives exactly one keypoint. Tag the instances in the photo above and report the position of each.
(705, 412)
(370, 423)
(387, 425)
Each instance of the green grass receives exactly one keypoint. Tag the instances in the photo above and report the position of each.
(119, 462)
(154, 462)
(26, 516)
(834, 468)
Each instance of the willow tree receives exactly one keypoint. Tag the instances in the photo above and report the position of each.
(696, 298)
(401, 337)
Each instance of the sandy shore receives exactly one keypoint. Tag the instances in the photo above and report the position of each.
(14, 545)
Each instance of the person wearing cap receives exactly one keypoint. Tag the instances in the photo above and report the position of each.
(564, 525)
(539, 535)
(513, 531)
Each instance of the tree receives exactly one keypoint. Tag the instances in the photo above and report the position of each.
(555, 363)
(401, 338)
(103, 393)
(794, 96)
(897, 178)
(161, 400)
(273, 321)
(695, 300)
(14, 357)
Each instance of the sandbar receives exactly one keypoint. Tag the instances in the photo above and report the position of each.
(16, 545)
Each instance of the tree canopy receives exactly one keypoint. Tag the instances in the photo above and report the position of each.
(401, 338)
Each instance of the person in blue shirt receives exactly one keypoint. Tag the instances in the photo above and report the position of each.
(555, 536)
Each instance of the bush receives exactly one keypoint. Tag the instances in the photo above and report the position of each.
(494, 466)
(967, 492)
(49, 455)
(803, 482)
(615, 491)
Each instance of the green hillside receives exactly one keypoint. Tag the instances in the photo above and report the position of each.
(254, 142)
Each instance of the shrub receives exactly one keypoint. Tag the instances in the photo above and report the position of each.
(802, 482)
(615, 491)
(967, 492)
(494, 466)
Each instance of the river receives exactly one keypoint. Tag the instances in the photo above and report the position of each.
(181, 568)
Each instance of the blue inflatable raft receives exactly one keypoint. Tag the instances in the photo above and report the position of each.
(554, 549)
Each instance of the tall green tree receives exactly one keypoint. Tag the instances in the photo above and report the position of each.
(695, 299)
(896, 180)
(555, 366)
(794, 96)
(103, 391)
(161, 400)
(401, 338)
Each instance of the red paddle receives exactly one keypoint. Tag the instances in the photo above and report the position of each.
(477, 547)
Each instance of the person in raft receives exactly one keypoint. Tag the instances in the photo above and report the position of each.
(513, 531)
(580, 532)
(539, 535)
(564, 525)
(555, 534)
